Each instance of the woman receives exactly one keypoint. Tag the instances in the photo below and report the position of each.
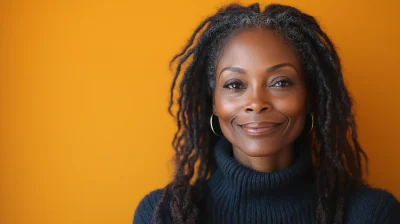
(265, 128)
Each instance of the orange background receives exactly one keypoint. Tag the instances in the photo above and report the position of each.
(85, 132)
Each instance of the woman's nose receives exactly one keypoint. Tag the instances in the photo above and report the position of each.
(258, 101)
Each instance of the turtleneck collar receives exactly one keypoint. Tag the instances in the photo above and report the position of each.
(243, 178)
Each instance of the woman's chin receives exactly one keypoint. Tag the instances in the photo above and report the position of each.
(259, 149)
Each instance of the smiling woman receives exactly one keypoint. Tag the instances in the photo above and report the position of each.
(264, 112)
(265, 122)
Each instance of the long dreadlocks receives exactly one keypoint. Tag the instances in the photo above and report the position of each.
(338, 157)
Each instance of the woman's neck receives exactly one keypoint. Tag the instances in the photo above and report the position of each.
(269, 163)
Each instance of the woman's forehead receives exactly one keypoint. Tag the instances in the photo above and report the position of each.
(257, 46)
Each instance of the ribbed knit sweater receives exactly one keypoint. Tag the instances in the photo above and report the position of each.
(238, 194)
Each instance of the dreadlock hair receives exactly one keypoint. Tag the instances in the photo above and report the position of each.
(337, 165)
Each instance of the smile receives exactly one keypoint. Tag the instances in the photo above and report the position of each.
(259, 129)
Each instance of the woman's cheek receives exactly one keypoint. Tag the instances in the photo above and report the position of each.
(290, 102)
(290, 106)
(227, 106)
(293, 108)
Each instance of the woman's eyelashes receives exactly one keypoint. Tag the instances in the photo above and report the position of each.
(237, 84)
(233, 85)
(282, 83)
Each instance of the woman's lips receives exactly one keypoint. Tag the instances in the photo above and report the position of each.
(259, 128)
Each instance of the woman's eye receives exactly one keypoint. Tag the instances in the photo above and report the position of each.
(282, 83)
(234, 85)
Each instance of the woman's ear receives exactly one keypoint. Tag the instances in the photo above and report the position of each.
(214, 111)
(213, 108)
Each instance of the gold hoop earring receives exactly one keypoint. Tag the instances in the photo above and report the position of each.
(212, 128)
(312, 123)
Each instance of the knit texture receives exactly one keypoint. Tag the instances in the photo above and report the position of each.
(238, 194)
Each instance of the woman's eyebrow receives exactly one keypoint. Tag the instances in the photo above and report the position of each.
(278, 66)
(270, 69)
(233, 69)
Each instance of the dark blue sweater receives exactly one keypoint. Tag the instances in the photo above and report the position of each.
(237, 194)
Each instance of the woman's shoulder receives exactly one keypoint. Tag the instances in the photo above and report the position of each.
(145, 209)
(373, 205)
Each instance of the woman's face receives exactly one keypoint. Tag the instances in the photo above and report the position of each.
(260, 94)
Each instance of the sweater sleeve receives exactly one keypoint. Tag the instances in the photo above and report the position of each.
(373, 205)
(393, 208)
(144, 211)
